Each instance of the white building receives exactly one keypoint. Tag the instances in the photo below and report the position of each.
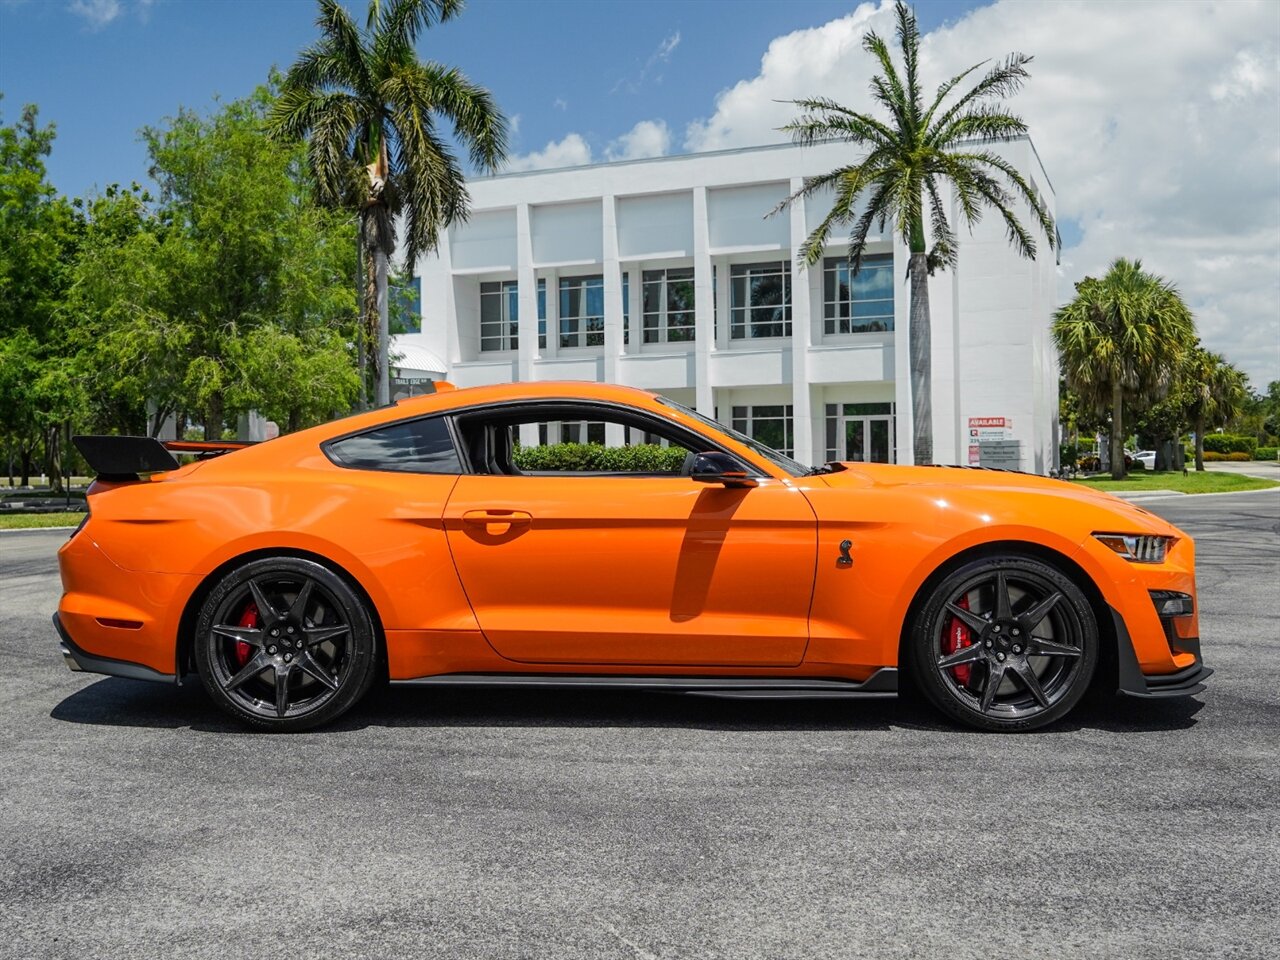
(670, 274)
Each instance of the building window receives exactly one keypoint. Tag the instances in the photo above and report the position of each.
(582, 311)
(761, 300)
(499, 315)
(770, 425)
(858, 303)
(405, 315)
(582, 431)
(668, 305)
(861, 432)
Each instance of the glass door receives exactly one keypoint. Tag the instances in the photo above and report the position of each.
(868, 439)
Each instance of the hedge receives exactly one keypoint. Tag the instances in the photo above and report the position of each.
(640, 458)
(1213, 456)
(1225, 443)
(1267, 453)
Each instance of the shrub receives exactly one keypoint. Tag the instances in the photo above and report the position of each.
(576, 457)
(1226, 443)
(1213, 456)
(1267, 453)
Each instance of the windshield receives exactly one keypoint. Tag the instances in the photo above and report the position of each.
(773, 456)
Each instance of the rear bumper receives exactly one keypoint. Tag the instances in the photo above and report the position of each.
(78, 660)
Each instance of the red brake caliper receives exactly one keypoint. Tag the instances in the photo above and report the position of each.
(247, 619)
(957, 636)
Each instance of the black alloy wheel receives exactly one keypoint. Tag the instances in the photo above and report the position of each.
(1004, 643)
(285, 644)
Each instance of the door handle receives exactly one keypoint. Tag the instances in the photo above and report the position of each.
(497, 522)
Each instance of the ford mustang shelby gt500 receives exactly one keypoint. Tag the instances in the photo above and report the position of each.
(427, 543)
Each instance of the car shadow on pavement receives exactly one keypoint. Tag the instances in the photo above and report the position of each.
(115, 702)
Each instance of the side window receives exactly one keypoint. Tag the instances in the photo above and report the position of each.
(411, 446)
(592, 447)
(570, 440)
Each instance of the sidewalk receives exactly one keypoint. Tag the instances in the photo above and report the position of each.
(1266, 469)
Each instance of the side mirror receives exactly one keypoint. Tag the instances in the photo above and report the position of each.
(716, 467)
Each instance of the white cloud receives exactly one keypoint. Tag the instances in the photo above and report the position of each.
(572, 151)
(648, 138)
(97, 13)
(560, 103)
(661, 55)
(1157, 123)
(665, 49)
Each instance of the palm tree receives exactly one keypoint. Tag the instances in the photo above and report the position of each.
(1216, 392)
(909, 158)
(1121, 340)
(370, 109)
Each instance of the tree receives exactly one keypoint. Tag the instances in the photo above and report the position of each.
(1216, 394)
(368, 109)
(232, 292)
(37, 247)
(1121, 340)
(908, 159)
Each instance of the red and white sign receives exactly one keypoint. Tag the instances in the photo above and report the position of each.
(988, 429)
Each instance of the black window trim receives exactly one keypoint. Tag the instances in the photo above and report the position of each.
(635, 413)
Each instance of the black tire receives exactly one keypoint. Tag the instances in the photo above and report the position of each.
(1040, 644)
(315, 647)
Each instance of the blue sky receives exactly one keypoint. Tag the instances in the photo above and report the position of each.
(593, 67)
(1158, 122)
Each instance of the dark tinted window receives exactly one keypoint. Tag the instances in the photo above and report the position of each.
(415, 446)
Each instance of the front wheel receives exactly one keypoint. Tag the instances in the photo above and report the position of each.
(1004, 643)
(285, 644)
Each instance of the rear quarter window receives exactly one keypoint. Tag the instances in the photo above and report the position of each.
(411, 446)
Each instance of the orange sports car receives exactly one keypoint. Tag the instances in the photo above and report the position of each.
(578, 535)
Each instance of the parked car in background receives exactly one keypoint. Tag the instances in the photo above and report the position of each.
(1145, 457)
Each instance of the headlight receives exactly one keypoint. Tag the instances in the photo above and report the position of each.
(1143, 548)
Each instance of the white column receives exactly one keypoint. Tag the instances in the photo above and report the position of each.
(527, 293)
(614, 433)
(527, 279)
(703, 304)
(801, 331)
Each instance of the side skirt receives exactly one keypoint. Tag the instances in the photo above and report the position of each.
(883, 683)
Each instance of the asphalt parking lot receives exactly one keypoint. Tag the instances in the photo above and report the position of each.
(135, 821)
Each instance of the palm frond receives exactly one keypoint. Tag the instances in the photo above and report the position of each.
(319, 67)
(342, 36)
(888, 89)
(1001, 81)
(430, 182)
(945, 88)
(944, 253)
(810, 128)
(851, 183)
(1021, 187)
(986, 123)
(908, 34)
(477, 120)
(400, 22)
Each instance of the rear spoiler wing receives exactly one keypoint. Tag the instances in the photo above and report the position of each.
(124, 458)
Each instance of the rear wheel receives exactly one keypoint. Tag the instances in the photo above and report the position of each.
(285, 644)
(1004, 643)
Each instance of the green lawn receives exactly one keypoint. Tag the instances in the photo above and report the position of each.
(22, 521)
(1207, 482)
